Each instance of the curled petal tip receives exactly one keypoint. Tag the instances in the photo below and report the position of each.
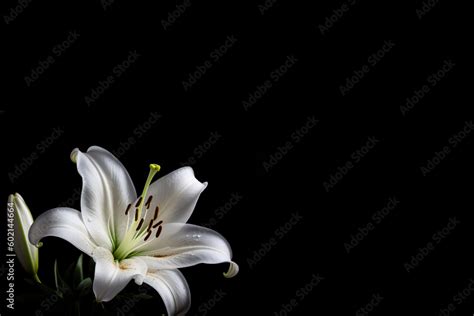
(39, 244)
(233, 270)
(73, 155)
(139, 279)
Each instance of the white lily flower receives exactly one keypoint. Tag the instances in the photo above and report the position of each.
(145, 239)
(26, 253)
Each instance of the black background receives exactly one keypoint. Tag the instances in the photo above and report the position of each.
(153, 84)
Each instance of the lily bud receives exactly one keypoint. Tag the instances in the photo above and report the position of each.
(26, 253)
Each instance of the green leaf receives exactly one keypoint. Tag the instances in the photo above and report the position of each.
(78, 272)
(39, 287)
(84, 287)
(61, 286)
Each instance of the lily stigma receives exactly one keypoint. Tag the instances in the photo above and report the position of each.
(144, 238)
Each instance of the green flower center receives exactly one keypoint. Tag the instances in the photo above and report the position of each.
(137, 233)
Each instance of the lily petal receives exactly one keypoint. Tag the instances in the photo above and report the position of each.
(65, 223)
(176, 195)
(173, 289)
(184, 245)
(107, 190)
(111, 276)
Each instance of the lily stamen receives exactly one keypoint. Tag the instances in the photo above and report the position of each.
(148, 201)
(156, 212)
(140, 225)
(158, 232)
(149, 225)
(147, 235)
(128, 209)
(158, 224)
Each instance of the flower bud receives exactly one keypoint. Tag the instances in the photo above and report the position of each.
(26, 253)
